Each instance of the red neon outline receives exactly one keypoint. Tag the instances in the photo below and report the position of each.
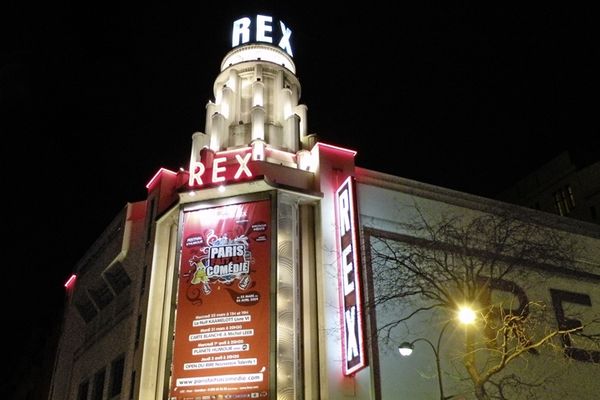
(332, 147)
(156, 175)
(71, 281)
(357, 281)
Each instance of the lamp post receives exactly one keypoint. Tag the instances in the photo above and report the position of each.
(465, 316)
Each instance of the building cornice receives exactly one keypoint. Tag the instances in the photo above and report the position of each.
(474, 202)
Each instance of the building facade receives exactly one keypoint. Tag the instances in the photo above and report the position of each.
(256, 272)
(567, 185)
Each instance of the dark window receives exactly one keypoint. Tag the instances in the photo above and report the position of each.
(593, 212)
(150, 221)
(564, 200)
(132, 387)
(117, 277)
(138, 330)
(85, 307)
(82, 392)
(143, 285)
(101, 294)
(98, 392)
(116, 376)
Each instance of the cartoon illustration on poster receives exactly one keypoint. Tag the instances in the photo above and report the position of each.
(222, 329)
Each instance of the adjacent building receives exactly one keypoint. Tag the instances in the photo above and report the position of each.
(257, 271)
(567, 185)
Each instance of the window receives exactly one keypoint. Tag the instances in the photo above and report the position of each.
(150, 220)
(116, 376)
(82, 392)
(143, 284)
(593, 212)
(138, 330)
(98, 391)
(132, 387)
(117, 277)
(564, 200)
(101, 294)
(85, 307)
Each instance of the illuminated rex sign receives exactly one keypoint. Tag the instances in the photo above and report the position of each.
(262, 28)
(349, 280)
(225, 166)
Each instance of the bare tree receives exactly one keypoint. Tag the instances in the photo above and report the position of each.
(432, 266)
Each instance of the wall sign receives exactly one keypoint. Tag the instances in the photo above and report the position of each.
(262, 28)
(349, 279)
(226, 166)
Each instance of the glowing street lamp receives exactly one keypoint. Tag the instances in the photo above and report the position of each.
(466, 316)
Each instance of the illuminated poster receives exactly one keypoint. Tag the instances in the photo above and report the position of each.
(222, 326)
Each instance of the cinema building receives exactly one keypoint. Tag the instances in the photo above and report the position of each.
(255, 272)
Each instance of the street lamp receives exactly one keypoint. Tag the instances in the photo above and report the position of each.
(466, 316)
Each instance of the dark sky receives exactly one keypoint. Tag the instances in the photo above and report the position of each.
(94, 99)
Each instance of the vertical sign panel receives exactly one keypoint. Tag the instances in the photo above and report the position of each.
(222, 326)
(349, 280)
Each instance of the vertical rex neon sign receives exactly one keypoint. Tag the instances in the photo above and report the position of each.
(349, 279)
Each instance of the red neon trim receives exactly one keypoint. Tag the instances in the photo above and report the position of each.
(332, 147)
(157, 175)
(71, 281)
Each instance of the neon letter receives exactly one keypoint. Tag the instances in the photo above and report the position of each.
(196, 172)
(243, 166)
(351, 343)
(241, 29)
(262, 28)
(284, 43)
(344, 204)
(348, 269)
(218, 169)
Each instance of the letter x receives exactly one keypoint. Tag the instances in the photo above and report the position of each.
(243, 165)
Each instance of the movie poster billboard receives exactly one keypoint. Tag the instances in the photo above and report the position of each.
(222, 329)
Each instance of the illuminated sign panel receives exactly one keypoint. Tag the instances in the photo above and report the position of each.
(224, 167)
(349, 280)
(263, 28)
(222, 326)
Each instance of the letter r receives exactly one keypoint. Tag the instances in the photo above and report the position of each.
(241, 30)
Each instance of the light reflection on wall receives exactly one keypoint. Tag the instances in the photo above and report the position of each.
(287, 264)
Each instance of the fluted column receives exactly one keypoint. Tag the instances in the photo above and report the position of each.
(301, 112)
(200, 140)
(290, 133)
(258, 122)
(218, 134)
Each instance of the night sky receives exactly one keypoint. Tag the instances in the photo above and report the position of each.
(94, 100)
